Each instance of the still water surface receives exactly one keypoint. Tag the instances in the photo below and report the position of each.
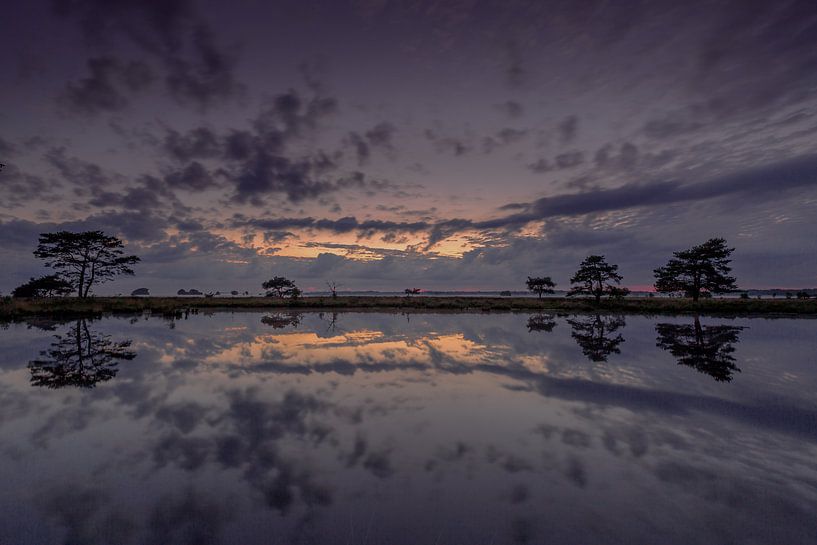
(376, 428)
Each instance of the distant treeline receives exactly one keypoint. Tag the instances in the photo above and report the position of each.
(81, 261)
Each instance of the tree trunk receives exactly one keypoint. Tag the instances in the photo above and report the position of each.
(90, 280)
(81, 281)
(696, 287)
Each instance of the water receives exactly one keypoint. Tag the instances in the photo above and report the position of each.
(377, 428)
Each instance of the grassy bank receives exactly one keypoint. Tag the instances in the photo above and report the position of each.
(65, 307)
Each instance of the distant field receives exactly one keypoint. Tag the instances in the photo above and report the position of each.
(17, 308)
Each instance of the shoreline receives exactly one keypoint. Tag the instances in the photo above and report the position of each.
(93, 306)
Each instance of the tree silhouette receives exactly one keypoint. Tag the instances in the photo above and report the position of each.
(541, 322)
(596, 335)
(44, 286)
(281, 287)
(701, 270)
(708, 349)
(333, 287)
(411, 291)
(540, 285)
(84, 259)
(80, 358)
(596, 277)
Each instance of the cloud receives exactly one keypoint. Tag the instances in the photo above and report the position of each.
(626, 158)
(502, 138)
(86, 177)
(671, 125)
(197, 71)
(107, 86)
(447, 144)
(198, 143)
(205, 79)
(346, 224)
(18, 188)
(765, 180)
(562, 161)
(7, 148)
(511, 108)
(570, 159)
(382, 135)
(516, 73)
(568, 129)
(193, 177)
(269, 157)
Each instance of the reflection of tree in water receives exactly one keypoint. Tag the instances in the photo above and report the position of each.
(708, 349)
(280, 320)
(79, 358)
(596, 335)
(541, 322)
(332, 321)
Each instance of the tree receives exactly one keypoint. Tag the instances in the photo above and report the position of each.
(333, 287)
(191, 291)
(44, 286)
(596, 277)
(540, 285)
(140, 291)
(84, 259)
(281, 287)
(708, 349)
(411, 291)
(703, 269)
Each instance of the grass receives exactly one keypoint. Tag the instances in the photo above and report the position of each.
(11, 309)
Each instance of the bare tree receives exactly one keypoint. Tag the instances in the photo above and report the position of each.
(333, 287)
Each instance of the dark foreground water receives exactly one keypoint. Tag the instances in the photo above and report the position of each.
(377, 428)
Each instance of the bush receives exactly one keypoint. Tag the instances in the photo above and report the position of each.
(44, 286)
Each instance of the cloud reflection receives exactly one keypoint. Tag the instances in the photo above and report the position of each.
(233, 429)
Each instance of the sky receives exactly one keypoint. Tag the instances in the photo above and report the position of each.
(386, 144)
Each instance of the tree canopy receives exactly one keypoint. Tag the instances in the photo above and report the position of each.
(282, 287)
(540, 285)
(597, 278)
(701, 270)
(45, 286)
(84, 259)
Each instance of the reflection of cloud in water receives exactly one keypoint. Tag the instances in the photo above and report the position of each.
(233, 431)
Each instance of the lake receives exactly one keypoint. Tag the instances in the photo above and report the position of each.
(355, 428)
